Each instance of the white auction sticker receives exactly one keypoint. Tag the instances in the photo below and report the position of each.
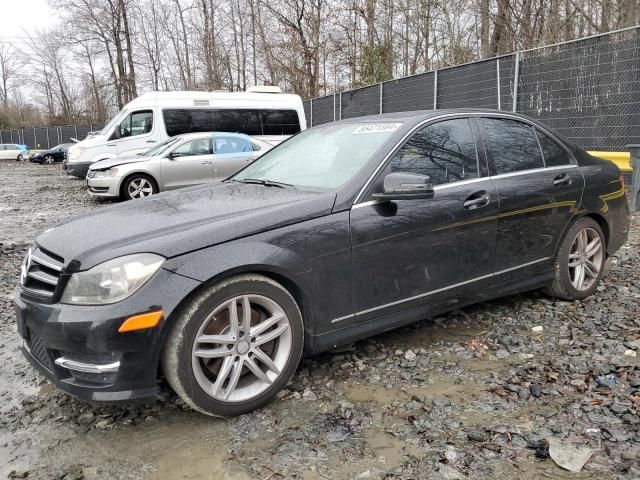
(377, 128)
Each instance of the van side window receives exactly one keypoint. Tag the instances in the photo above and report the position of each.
(280, 122)
(136, 123)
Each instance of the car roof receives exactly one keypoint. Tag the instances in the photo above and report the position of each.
(421, 115)
(208, 134)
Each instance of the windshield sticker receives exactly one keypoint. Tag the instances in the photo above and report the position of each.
(377, 128)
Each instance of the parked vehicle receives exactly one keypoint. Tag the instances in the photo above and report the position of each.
(181, 161)
(153, 117)
(51, 156)
(346, 230)
(13, 151)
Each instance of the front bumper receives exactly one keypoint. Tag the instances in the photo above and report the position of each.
(104, 186)
(79, 349)
(77, 169)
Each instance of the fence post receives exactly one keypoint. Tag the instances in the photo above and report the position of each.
(516, 79)
(334, 106)
(76, 129)
(311, 112)
(498, 82)
(48, 141)
(340, 106)
(381, 83)
(435, 89)
(634, 189)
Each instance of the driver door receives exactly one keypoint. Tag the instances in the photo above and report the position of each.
(134, 134)
(412, 252)
(190, 163)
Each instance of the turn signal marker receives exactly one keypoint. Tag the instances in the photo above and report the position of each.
(141, 322)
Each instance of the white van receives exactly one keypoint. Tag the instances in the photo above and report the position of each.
(262, 112)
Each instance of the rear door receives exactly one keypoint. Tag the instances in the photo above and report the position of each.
(407, 253)
(190, 163)
(539, 187)
(230, 154)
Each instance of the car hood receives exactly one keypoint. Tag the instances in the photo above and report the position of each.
(174, 223)
(114, 162)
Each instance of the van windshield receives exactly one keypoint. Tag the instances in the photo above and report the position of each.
(322, 157)
(112, 122)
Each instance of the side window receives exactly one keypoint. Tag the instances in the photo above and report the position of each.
(136, 123)
(445, 151)
(239, 121)
(280, 122)
(231, 144)
(554, 155)
(199, 146)
(512, 145)
(177, 122)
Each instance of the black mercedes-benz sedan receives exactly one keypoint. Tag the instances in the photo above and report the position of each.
(345, 230)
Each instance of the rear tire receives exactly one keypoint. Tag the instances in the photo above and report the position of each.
(580, 262)
(138, 185)
(222, 367)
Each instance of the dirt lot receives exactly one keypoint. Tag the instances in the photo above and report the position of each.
(473, 394)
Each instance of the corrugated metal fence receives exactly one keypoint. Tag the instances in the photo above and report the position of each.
(41, 138)
(587, 89)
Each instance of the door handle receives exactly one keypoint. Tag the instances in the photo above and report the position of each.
(562, 179)
(111, 144)
(207, 162)
(150, 141)
(477, 200)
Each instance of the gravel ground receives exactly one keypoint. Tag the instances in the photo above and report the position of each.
(472, 394)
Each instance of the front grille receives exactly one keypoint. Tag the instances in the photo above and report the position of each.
(91, 173)
(41, 273)
(37, 349)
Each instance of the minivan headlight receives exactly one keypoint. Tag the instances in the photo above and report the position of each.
(111, 281)
(75, 153)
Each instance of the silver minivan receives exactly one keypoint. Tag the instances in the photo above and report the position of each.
(180, 161)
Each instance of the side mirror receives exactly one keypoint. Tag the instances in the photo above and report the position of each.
(174, 155)
(405, 186)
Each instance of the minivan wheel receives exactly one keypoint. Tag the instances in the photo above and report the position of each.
(234, 346)
(580, 262)
(48, 160)
(20, 158)
(138, 185)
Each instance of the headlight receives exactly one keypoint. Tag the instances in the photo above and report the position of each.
(111, 281)
(111, 172)
(75, 153)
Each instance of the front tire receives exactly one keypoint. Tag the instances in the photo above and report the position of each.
(20, 158)
(234, 346)
(580, 262)
(48, 160)
(137, 186)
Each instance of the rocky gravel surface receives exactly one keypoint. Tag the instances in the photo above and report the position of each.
(514, 387)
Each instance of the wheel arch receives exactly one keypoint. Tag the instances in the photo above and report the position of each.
(596, 216)
(137, 172)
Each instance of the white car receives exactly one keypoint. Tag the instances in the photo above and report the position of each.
(13, 151)
(180, 161)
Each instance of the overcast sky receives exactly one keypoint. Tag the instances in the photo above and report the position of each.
(21, 17)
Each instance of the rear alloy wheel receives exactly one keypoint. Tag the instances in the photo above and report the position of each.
(580, 263)
(235, 346)
(48, 160)
(138, 186)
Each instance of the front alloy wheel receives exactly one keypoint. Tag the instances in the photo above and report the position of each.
(20, 158)
(138, 186)
(48, 160)
(235, 346)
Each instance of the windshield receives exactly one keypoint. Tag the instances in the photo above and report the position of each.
(159, 148)
(323, 157)
(111, 123)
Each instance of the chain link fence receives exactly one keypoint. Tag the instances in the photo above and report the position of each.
(44, 138)
(587, 89)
